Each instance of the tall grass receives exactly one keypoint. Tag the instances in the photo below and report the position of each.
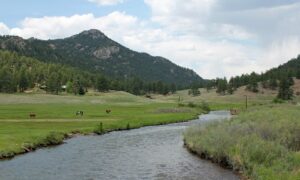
(263, 143)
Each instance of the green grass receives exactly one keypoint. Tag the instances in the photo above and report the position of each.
(55, 117)
(263, 142)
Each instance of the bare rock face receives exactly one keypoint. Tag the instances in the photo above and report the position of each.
(52, 46)
(106, 52)
(17, 41)
(94, 33)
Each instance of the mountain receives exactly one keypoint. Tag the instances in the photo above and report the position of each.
(93, 51)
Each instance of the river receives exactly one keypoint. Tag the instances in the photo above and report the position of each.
(155, 152)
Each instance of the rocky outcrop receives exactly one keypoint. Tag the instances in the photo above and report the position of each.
(106, 52)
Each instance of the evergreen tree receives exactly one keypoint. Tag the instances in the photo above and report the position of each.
(115, 85)
(232, 85)
(23, 81)
(53, 84)
(273, 83)
(159, 87)
(173, 88)
(102, 84)
(210, 84)
(290, 79)
(166, 89)
(7, 81)
(81, 91)
(194, 91)
(285, 92)
(230, 88)
(253, 85)
(221, 86)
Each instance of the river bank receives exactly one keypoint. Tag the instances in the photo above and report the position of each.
(56, 118)
(58, 138)
(153, 152)
(261, 143)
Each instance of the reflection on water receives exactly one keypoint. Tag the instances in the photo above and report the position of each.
(147, 153)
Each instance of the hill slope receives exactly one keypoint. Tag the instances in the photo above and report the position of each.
(292, 67)
(95, 52)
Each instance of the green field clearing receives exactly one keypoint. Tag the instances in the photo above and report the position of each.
(57, 114)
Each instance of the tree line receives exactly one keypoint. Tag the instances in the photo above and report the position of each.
(19, 73)
(280, 79)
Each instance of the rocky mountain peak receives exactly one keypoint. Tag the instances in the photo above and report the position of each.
(93, 33)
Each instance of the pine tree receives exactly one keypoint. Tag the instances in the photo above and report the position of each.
(194, 90)
(173, 88)
(102, 84)
(253, 85)
(221, 86)
(273, 83)
(81, 91)
(23, 81)
(285, 92)
(53, 83)
(230, 88)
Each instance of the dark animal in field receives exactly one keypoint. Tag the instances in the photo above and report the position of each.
(234, 112)
(79, 113)
(32, 115)
(108, 111)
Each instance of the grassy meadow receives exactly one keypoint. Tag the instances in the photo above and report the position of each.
(262, 142)
(55, 117)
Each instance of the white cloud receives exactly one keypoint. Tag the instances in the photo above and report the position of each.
(279, 51)
(62, 26)
(106, 2)
(210, 36)
(236, 37)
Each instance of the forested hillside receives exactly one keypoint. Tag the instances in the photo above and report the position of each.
(19, 73)
(94, 52)
(280, 78)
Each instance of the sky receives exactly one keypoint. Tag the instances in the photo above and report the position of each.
(215, 38)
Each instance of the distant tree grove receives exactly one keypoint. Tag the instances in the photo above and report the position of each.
(280, 79)
(19, 73)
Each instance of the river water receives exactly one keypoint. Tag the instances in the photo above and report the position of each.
(154, 152)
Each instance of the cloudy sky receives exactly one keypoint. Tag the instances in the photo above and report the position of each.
(215, 38)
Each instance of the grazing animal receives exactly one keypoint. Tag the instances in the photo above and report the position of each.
(108, 111)
(32, 115)
(234, 112)
(79, 113)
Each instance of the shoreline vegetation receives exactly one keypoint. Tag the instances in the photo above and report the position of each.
(260, 143)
